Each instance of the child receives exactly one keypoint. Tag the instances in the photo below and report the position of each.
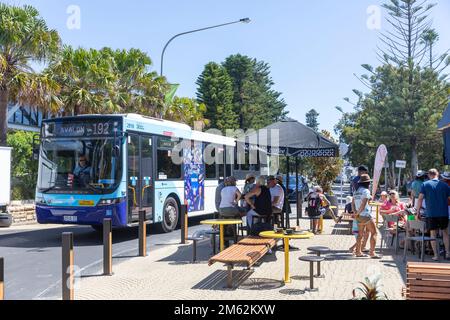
(348, 205)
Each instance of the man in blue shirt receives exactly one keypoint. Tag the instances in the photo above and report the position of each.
(436, 194)
(354, 185)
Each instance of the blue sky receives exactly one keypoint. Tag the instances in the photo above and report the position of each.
(313, 47)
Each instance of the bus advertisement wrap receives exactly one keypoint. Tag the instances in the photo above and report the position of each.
(194, 177)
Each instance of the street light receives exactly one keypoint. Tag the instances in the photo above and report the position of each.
(244, 20)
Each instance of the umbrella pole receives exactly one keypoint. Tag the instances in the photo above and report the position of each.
(287, 222)
(296, 191)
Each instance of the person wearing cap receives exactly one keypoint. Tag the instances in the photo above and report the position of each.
(436, 193)
(416, 186)
(384, 197)
(361, 170)
(360, 204)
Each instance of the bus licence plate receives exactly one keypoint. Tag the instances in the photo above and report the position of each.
(70, 218)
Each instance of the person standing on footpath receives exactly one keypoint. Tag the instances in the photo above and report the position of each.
(436, 194)
(363, 216)
(416, 186)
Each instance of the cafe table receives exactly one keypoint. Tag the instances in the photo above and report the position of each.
(221, 223)
(377, 205)
(286, 238)
(321, 219)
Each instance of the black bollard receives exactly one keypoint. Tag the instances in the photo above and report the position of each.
(184, 223)
(67, 266)
(2, 278)
(107, 246)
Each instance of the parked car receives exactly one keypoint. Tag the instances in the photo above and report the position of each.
(302, 186)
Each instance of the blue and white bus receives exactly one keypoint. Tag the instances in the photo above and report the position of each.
(97, 166)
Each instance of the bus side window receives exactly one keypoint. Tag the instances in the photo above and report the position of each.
(210, 169)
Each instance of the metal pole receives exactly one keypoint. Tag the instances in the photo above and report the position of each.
(67, 266)
(296, 190)
(107, 246)
(246, 20)
(288, 169)
(184, 223)
(142, 233)
(386, 168)
(2, 278)
(398, 184)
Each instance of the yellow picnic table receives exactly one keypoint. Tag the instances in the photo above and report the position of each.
(221, 223)
(321, 220)
(286, 238)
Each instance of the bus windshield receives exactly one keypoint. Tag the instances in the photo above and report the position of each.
(79, 165)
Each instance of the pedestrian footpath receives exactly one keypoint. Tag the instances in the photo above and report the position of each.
(167, 273)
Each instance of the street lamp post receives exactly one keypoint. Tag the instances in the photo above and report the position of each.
(244, 20)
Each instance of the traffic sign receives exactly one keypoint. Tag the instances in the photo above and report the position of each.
(400, 164)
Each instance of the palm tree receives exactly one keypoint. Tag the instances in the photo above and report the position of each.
(107, 81)
(24, 38)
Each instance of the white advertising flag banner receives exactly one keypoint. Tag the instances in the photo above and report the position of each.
(380, 158)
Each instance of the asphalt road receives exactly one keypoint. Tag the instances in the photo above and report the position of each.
(33, 255)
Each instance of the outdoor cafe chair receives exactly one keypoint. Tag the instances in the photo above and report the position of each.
(386, 231)
(414, 227)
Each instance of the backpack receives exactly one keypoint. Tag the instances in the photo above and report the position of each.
(259, 227)
(313, 208)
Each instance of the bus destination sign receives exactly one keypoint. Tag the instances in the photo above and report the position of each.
(81, 129)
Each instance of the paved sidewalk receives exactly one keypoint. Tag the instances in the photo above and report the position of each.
(167, 274)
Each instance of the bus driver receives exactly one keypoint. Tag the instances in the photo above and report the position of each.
(82, 172)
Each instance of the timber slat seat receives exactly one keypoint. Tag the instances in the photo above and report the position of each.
(252, 240)
(246, 253)
(427, 281)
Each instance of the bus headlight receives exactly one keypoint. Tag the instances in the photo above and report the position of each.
(41, 200)
(108, 202)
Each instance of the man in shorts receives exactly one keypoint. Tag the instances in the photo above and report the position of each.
(436, 194)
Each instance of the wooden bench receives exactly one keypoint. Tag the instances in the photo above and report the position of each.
(245, 253)
(427, 281)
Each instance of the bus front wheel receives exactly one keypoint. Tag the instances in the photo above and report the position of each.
(171, 212)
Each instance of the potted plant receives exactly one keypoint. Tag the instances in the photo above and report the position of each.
(370, 290)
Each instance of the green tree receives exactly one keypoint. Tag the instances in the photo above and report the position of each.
(410, 22)
(23, 167)
(312, 119)
(24, 38)
(405, 100)
(186, 110)
(254, 101)
(324, 170)
(215, 90)
(108, 81)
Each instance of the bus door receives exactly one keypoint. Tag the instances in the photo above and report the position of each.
(134, 182)
(140, 177)
(147, 185)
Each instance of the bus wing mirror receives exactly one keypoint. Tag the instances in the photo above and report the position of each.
(35, 147)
